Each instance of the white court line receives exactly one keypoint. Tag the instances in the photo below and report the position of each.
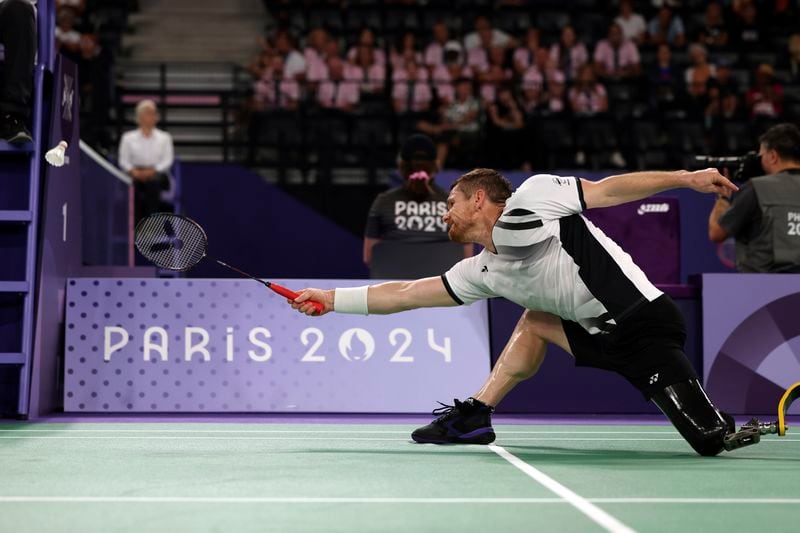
(379, 500)
(596, 514)
(349, 439)
(326, 431)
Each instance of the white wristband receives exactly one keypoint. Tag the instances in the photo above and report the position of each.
(352, 300)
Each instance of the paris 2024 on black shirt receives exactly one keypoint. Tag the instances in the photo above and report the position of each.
(397, 215)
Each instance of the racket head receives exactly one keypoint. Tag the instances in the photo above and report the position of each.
(171, 241)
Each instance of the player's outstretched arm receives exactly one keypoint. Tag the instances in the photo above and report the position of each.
(381, 299)
(623, 188)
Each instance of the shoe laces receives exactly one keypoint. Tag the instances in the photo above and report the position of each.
(446, 412)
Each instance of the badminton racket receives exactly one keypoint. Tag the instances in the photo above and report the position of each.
(178, 243)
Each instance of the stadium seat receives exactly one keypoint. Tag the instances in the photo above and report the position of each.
(552, 21)
(554, 135)
(688, 137)
(736, 137)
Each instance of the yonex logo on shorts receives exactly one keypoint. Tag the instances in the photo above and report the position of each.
(653, 378)
(652, 208)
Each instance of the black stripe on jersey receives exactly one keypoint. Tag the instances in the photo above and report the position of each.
(597, 268)
(519, 225)
(450, 290)
(518, 212)
(580, 193)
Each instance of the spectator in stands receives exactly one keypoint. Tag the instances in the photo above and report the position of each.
(792, 58)
(588, 96)
(568, 53)
(315, 50)
(18, 37)
(506, 130)
(701, 71)
(445, 76)
(615, 57)
(435, 51)
(337, 91)
(722, 105)
(280, 44)
(664, 79)
(411, 91)
(404, 49)
(713, 32)
(458, 131)
(747, 34)
(317, 71)
(531, 92)
(666, 27)
(485, 36)
(478, 56)
(724, 77)
(765, 98)
(525, 55)
(633, 25)
(371, 73)
(412, 212)
(495, 75)
(698, 78)
(367, 38)
(273, 91)
(146, 154)
(556, 95)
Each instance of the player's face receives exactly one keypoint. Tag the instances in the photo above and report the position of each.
(459, 216)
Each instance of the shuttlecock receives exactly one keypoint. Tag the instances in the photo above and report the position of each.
(55, 156)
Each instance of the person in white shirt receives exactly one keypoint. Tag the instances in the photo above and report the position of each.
(580, 291)
(633, 25)
(146, 154)
(485, 35)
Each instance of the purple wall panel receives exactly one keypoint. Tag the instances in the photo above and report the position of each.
(751, 339)
(337, 363)
(264, 231)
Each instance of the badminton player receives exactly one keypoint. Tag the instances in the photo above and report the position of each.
(580, 291)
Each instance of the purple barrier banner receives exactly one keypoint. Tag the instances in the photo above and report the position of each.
(201, 345)
(751, 339)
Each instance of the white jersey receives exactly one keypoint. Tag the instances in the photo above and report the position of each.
(551, 258)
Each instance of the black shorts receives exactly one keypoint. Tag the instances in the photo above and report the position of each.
(646, 348)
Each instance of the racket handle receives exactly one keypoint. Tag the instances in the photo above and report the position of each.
(283, 291)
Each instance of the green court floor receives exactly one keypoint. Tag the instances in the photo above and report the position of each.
(369, 478)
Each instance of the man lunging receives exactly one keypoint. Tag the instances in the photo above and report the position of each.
(581, 291)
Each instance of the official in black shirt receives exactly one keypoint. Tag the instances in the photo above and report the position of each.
(411, 213)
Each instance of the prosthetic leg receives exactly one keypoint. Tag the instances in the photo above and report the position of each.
(694, 416)
(706, 428)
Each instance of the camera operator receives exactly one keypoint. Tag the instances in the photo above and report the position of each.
(764, 216)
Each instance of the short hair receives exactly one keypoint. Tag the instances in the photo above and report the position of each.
(784, 139)
(497, 186)
(145, 104)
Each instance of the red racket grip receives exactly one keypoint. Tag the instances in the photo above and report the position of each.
(283, 291)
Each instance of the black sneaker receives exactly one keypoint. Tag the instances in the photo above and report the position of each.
(467, 422)
(13, 130)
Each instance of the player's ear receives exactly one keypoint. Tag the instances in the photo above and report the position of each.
(480, 198)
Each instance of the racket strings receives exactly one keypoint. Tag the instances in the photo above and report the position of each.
(171, 241)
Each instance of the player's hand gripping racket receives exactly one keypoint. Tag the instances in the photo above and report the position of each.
(176, 242)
